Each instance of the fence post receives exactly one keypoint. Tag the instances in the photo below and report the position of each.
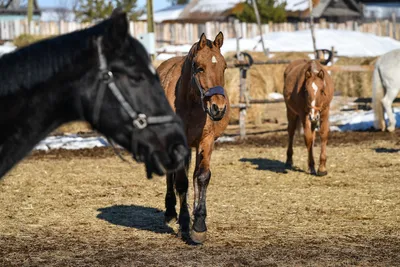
(394, 28)
(242, 108)
(312, 28)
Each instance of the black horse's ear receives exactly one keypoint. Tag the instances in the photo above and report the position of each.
(321, 74)
(308, 74)
(203, 42)
(117, 11)
(219, 40)
(118, 29)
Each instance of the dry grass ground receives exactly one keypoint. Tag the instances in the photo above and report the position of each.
(87, 208)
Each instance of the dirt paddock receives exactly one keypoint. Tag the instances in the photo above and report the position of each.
(88, 208)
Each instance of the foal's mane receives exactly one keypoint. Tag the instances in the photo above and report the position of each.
(31, 65)
(193, 52)
(314, 66)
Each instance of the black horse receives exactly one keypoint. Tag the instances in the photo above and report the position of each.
(101, 75)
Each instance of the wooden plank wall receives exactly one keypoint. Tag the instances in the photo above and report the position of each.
(188, 33)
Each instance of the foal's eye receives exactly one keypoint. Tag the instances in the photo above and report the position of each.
(200, 70)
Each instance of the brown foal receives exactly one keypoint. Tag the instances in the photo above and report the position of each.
(308, 91)
(194, 87)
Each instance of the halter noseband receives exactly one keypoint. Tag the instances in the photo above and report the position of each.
(139, 120)
(216, 90)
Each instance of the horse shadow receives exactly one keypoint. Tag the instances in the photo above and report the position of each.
(139, 217)
(386, 150)
(264, 164)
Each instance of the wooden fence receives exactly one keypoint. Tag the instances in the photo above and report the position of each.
(187, 33)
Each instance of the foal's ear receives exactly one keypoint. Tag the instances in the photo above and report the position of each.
(321, 74)
(219, 40)
(118, 29)
(203, 42)
(308, 74)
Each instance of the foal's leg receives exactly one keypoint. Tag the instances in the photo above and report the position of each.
(170, 216)
(387, 104)
(292, 119)
(324, 132)
(309, 137)
(201, 180)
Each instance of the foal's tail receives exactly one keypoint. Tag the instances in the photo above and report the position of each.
(377, 96)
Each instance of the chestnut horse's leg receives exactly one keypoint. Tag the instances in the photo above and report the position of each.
(170, 216)
(292, 120)
(324, 132)
(201, 180)
(309, 137)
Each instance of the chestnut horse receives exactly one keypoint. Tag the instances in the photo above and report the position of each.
(308, 91)
(194, 87)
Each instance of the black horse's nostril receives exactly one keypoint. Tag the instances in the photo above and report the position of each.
(214, 109)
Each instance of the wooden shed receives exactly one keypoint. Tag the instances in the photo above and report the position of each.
(14, 10)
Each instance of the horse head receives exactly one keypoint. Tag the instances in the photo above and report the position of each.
(208, 80)
(314, 90)
(125, 100)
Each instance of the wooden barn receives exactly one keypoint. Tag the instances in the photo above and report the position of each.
(329, 10)
(378, 10)
(14, 10)
(202, 11)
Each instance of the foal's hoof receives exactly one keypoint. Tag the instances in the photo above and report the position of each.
(198, 237)
(322, 173)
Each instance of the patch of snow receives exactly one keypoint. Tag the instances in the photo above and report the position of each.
(224, 139)
(169, 13)
(346, 43)
(215, 5)
(71, 142)
(275, 96)
(6, 48)
(358, 120)
(296, 5)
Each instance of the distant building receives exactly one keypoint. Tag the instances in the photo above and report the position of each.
(13, 10)
(167, 14)
(201, 11)
(378, 10)
(330, 10)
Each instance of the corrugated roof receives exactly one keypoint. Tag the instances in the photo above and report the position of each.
(166, 14)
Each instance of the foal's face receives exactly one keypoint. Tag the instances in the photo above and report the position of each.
(315, 88)
(210, 67)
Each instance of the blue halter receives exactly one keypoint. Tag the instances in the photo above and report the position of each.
(216, 90)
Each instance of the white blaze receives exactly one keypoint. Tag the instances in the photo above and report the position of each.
(315, 87)
(312, 109)
(214, 60)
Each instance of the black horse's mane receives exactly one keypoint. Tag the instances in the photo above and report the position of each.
(31, 65)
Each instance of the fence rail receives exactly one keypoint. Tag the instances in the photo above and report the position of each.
(188, 33)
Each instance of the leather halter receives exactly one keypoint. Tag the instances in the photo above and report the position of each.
(139, 120)
(216, 90)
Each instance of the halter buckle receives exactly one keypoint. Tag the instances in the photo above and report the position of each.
(140, 122)
(106, 76)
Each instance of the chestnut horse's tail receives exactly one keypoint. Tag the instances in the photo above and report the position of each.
(377, 96)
